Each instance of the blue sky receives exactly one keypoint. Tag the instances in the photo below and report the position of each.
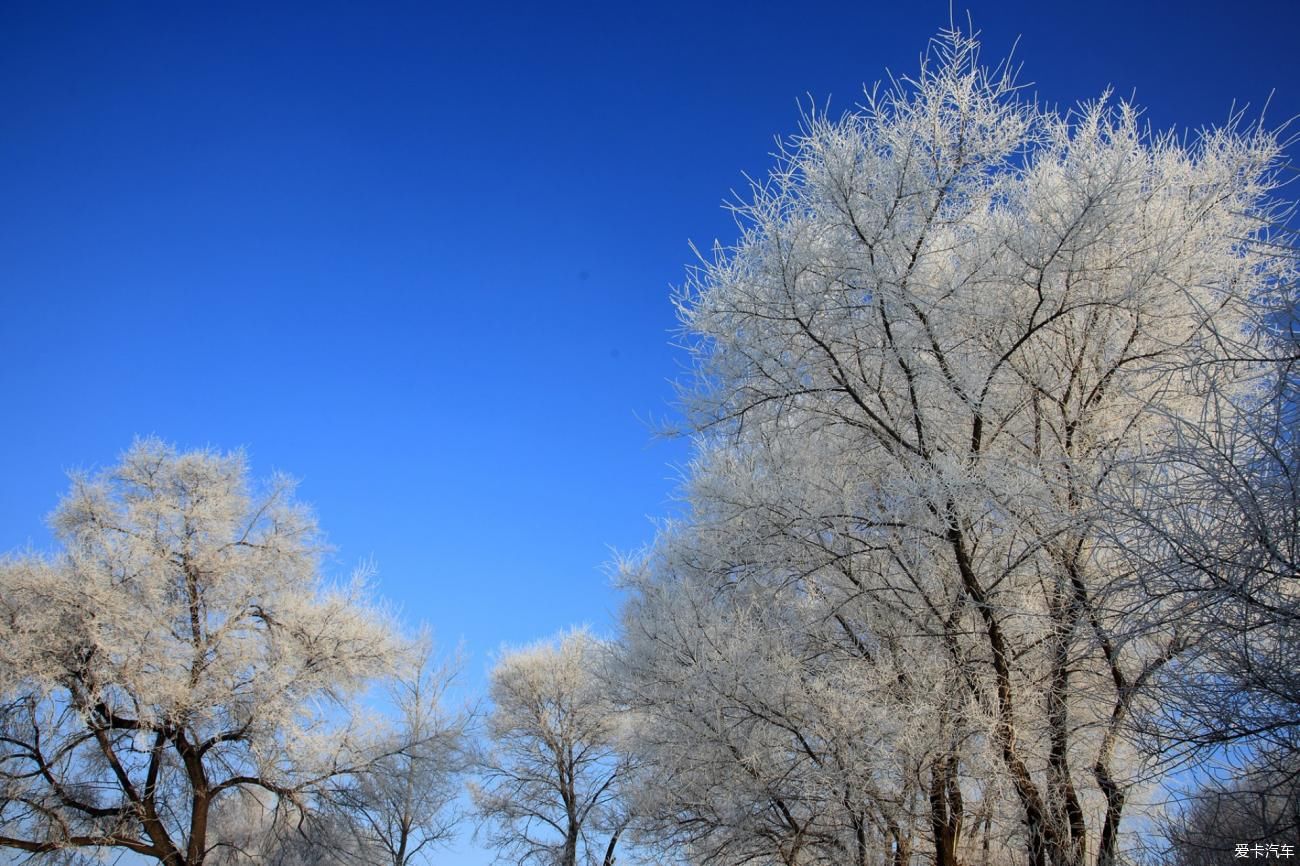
(420, 255)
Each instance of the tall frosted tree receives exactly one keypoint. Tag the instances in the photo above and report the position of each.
(952, 318)
(177, 659)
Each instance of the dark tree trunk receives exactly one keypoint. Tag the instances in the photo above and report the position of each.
(609, 849)
(1108, 843)
(945, 810)
(1066, 815)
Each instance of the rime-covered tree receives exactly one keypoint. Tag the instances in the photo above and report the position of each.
(401, 806)
(1259, 807)
(178, 654)
(552, 768)
(1215, 532)
(768, 738)
(394, 809)
(950, 319)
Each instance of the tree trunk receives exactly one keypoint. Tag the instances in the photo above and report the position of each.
(570, 855)
(1106, 846)
(902, 845)
(609, 850)
(860, 838)
(1066, 815)
(945, 810)
(1041, 832)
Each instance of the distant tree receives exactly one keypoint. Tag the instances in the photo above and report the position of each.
(1261, 806)
(552, 768)
(394, 809)
(180, 656)
(401, 806)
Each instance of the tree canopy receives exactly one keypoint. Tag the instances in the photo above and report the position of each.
(180, 650)
(959, 329)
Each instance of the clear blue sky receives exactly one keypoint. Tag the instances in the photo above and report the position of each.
(420, 255)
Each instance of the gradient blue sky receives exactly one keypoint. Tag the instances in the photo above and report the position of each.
(420, 255)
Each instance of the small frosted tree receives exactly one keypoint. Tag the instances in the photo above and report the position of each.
(553, 766)
(178, 654)
(403, 805)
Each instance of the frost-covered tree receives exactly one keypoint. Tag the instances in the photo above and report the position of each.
(1215, 532)
(768, 740)
(950, 319)
(552, 768)
(796, 723)
(398, 808)
(178, 657)
(394, 809)
(1261, 807)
